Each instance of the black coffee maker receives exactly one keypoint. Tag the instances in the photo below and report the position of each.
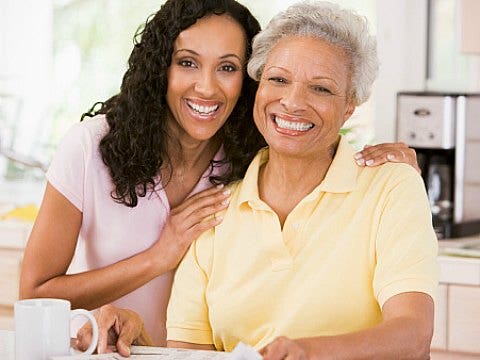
(444, 129)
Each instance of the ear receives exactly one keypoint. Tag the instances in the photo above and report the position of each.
(349, 109)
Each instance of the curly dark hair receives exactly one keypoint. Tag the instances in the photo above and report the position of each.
(135, 147)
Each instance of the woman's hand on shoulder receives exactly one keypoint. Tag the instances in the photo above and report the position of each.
(373, 155)
(186, 223)
(118, 329)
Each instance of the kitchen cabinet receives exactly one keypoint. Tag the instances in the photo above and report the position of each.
(13, 237)
(464, 318)
(457, 311)
(439, 340)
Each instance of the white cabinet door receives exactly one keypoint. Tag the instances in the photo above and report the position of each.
(10, 262)
(439, 340)
(464, 318)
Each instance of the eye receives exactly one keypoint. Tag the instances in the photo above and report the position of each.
(186, 63)
(277, 80)
(228, 68)
(321, 90)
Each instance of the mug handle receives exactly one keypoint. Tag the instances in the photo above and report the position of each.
(93, 322)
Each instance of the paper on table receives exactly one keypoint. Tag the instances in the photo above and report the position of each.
(244, 352)
(241, 352)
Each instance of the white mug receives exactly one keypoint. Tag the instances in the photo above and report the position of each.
(42, 328)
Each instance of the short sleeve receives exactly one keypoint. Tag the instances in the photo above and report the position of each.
(406, 244)
(187, 313)
(66, 172)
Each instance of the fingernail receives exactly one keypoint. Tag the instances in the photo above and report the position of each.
(227, 192)
(358, 156)
(225, 202)
(367, 146)
(361, 162)
(390, 157)
(220, 186)
(369, 162)
(218, 217)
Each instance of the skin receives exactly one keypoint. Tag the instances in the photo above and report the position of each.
(206, 70)
(394, 152)
(302, 88)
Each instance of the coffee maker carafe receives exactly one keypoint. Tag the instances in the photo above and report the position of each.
(444, 129)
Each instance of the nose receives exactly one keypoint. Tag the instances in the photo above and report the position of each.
(206, 84)
(293, 97)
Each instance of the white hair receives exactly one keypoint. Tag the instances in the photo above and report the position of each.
(327, 21)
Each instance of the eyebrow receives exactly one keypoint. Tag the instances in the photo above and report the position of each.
(313, 78)
(226, 56)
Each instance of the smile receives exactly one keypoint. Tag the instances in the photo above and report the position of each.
(292, 125)
(201, 109)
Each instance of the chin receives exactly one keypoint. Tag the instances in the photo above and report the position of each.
(203, 136)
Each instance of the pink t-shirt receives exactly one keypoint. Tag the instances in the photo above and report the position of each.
(111, 231)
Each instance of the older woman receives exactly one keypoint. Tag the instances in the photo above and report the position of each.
(315, 256)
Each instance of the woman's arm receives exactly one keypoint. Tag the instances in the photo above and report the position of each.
(52, 243)
(405, 332)
(373, 155)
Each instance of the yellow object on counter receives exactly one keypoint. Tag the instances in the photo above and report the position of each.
(27, 213)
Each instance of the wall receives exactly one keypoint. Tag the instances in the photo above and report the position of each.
(402, 42)
(402, 45)
(26, 63)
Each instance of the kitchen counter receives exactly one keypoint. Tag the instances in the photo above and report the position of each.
(457, 314)
(459, 261)
(7, 350)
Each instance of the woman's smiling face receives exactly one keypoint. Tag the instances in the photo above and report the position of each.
(302, 100)
(205, 76)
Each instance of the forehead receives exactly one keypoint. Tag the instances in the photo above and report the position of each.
(308, 56)
(216, 33)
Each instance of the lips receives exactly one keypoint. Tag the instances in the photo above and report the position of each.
(291, 124)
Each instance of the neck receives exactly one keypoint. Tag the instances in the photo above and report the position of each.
(289, 175)
(284, 180)
(187, 161)
(185, 152)
(301, 173)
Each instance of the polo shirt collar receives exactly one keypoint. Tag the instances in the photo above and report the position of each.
(341, 177)
(249, 185)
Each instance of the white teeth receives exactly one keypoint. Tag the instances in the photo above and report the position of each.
(204, 110)
(288, 125)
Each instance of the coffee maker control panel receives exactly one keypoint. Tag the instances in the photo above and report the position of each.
(427, 122)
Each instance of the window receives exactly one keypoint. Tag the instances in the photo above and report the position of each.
(81, 48)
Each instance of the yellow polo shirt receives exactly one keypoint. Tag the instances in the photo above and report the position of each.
(362, 236)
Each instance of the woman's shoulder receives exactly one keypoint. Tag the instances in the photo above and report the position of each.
(82, 139)
(86, 134)
(391, 175)
(401, 170)
(96, 127)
